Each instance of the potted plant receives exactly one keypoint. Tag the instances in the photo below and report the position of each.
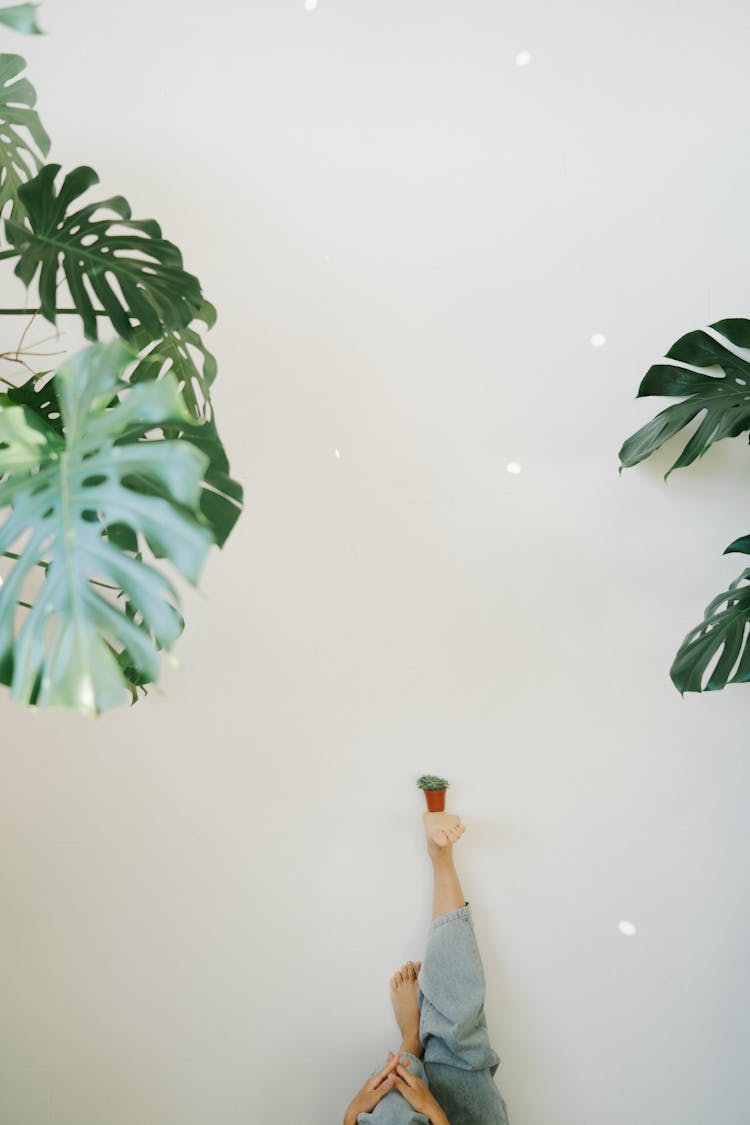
(434, 791)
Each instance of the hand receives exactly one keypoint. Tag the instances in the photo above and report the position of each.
(373, 1090)
(418, 1096)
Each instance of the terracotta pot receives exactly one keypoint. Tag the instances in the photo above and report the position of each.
(435, 799)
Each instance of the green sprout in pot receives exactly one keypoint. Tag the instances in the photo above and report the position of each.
(434, 791)
(430, 781)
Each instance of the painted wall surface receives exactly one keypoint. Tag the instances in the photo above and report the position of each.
(410, 240)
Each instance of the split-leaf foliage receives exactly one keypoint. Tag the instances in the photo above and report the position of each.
(708, 370)
(112, 470)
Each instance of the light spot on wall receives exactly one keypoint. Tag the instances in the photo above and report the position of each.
(311, 5)
(513, 467)
(598, 340)
(628, 929)
(337, 454)
(523, 58)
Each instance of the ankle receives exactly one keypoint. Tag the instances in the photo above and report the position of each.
(411, 1046)
(442, 860)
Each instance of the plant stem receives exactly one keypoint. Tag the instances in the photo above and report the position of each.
(13, 555)
(35, 312)
(9, 253)
(45, 565)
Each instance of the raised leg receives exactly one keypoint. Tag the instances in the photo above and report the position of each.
(439, 1005)
(443, 830)
(459, 1060)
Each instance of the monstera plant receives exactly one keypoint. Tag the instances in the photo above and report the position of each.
(111, 467)
(709, 370)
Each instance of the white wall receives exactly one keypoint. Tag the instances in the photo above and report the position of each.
(410, 241)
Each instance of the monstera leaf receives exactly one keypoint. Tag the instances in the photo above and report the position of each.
(23, 141)
(89, 495)
(714, 653)
(722, 634)
(221, 498)
(725, 396)
(21, 17)
(183, 352)
(153, 291)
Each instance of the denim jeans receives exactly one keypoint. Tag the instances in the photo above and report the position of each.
(459, 1063)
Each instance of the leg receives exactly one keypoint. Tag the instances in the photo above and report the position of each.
(458, 1058)
(439, 1006)
(452, 1027)
(393, 1109)
(405, 1000)
(443, 830)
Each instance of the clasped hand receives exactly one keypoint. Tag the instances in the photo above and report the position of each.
(395, 1076)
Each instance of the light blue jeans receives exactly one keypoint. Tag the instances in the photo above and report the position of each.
(459, 1063)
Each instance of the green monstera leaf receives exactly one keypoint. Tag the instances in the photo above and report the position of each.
(724, 397)
(183, 352)
(21, 17)
(23, 141)
(221, 495)
(185, 355)
(715, 652)
(91, 493)
(221, 498)
(135, 273)
(721, 634)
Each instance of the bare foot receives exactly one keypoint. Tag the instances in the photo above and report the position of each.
(404, 992)
(443, 830)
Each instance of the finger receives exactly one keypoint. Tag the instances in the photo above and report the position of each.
(389, 1066)
(380, 1091)
(407, 1076)
(403, 1089)
(385, 1086)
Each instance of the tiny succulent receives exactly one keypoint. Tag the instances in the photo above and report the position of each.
(429, 781)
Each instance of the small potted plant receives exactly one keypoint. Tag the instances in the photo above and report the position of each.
(434, 791)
